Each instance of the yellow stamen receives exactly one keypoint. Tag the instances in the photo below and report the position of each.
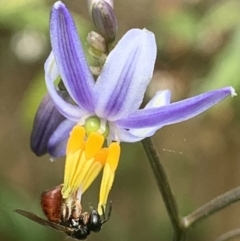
(79, 168)
(106, 184)
(96, 167)
(102, 156)
(80, 171)
(71, 164)
(94, 144)
(75, 146)
(76, 138)
(108, 174)
(113, 155)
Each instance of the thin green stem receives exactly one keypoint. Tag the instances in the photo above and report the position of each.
(164, 187)
(182, 225)
(212, 207)
(231, 235)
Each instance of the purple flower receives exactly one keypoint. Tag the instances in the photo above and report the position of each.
(109, 106)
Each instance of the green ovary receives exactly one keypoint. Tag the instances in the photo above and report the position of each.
(93, 124)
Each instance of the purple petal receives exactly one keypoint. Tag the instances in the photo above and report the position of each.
(161, 98)
(60, 136)
(175, 112)
(70, 111)
(70, 58)
(46, 121)
(120, 87)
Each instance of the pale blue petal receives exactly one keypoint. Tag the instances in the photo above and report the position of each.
(69, 55)
(71, 112)
(125, 136)
(162, 98)
(60, 135)
(175, 112)
(120, 88)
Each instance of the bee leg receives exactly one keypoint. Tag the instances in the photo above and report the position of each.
(74, 223)
(77, 210)
(66, 212)
(85, 217)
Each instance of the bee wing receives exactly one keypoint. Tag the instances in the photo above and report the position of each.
(44, 222)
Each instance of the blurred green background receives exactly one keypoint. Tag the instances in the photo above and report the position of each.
(198, 50)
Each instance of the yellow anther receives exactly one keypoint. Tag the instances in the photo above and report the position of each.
(95, 168)
(108, 173)
(84, 161)
(101, 156)
(93, 172)
(80, 172)
(106, 184)
(79, 168)
(113, 155)
(94, 144)
(76, 139)
(71, 166)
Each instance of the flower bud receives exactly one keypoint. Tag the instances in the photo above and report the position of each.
(45, 123)
(104, 20)
(96, 71)
(91, 2)
(98, 47)
(97, 42)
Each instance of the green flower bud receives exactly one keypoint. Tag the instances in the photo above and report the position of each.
(97, 42)
(96, 71)
(98, 47)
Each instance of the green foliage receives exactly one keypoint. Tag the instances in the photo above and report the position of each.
(180, 25)
(222, 16)
(226, 66)
(13, 197)
(210, 39)
(17, 15)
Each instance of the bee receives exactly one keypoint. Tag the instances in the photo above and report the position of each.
(80, 229)
(67, 217)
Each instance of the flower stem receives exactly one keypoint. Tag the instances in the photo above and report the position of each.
(231, 235)
(164, 187)
(211, 207)
(182, 225)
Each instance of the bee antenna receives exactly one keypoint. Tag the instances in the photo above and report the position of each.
(90, 206)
